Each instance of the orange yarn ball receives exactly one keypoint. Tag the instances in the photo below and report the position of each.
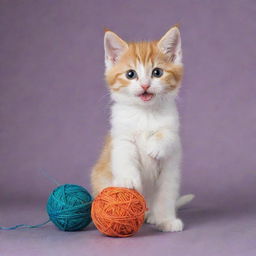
(118, 212)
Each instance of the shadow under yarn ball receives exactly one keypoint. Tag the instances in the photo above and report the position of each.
(69, 207)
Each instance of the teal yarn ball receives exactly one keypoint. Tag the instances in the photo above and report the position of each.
(69, 207)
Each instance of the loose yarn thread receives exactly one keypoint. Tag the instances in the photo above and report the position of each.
(25, 226)
(68, 207)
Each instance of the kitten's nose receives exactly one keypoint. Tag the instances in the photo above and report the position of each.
(145, 86)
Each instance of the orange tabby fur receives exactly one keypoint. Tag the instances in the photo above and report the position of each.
(102, 170)
(149, 55)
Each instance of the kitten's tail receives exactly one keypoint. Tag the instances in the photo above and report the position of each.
(184, 200)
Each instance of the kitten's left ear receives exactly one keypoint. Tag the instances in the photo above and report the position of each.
(114, 47)
(170, 44)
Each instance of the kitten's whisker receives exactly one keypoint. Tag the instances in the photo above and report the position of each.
(103, 96)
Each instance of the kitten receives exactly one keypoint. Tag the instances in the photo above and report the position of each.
(143, 149)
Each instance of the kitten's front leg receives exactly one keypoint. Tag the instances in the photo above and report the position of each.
(163, 211)
(160, 143)
(125, 164)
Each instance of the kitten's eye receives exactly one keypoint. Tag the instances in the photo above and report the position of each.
(157, 72)
(131, 74)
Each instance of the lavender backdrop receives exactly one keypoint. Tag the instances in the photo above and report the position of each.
(54, 106)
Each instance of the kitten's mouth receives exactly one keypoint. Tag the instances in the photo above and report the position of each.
(146, 96)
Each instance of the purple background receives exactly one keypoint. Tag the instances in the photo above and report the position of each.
(54, 112)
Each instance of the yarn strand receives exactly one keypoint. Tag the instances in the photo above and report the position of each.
(23, 226)
(68, 207)
(48, 176)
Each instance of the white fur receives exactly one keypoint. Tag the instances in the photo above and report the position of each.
(140, 159)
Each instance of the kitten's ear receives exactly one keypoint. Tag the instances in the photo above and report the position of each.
(114, 47)
(170, 44)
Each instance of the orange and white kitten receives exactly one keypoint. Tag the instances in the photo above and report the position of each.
(143, 149)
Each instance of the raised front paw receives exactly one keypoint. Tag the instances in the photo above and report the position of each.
(132, 181)
(172, 225)
(155, 148)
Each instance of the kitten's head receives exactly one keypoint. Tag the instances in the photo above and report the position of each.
(143, 73)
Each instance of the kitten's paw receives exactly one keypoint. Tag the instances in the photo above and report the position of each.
(150, 219)
(174, 225)
(128, 182)
(155, 148)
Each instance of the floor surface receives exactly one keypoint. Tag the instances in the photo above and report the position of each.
(209, 230)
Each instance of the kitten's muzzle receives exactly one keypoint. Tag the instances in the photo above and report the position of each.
(145, 86)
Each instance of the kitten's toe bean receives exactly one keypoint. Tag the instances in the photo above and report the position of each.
(174, 225)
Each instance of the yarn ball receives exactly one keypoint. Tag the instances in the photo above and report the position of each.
(69, 207)
(118, 212)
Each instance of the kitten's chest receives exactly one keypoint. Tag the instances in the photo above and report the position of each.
(138, 124)
(149, 167)
(143, 128)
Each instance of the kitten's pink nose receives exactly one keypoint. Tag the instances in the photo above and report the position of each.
(145, 86)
